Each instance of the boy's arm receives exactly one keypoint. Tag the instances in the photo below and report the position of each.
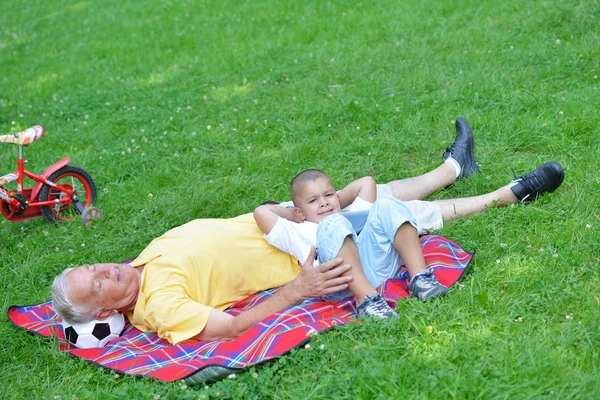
(266, 216)
(365, 188)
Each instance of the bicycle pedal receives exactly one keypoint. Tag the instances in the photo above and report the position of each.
(90, 214)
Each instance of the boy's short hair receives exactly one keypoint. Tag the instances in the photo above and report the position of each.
(304, 177)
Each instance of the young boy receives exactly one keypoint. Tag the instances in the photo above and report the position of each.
(388, 240)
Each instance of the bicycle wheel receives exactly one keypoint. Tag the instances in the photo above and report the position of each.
(74, 178)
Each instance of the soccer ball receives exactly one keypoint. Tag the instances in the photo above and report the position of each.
(94, 334)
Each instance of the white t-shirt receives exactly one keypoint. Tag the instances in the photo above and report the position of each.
(297, 239)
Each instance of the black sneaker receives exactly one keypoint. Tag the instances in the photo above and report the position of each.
(543, 179)
(462, 150)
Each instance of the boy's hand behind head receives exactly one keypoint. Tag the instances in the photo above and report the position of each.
(291, 215)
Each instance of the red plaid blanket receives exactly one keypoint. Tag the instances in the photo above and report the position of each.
(138, 353)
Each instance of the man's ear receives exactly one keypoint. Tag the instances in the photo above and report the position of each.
(103, 314)
(299, 214)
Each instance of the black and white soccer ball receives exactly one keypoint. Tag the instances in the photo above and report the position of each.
(94, 334)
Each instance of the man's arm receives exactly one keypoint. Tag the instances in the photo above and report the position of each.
(365, 188)
(266, 216)
(311, 282)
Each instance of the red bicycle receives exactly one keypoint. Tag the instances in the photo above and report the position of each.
(61, 193)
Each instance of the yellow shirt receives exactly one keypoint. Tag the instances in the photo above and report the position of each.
(202, 265)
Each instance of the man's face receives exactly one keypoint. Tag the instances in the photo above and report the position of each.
(317, 200)
(104, 286)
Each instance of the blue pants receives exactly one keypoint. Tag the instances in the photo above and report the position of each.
(378, 257)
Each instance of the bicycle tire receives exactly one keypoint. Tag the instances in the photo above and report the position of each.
(67, 212)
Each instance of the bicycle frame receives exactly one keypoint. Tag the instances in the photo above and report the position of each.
(30, 207)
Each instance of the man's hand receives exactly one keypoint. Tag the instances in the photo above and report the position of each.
(321, 280)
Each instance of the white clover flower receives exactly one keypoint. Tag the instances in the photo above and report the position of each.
(311, 333)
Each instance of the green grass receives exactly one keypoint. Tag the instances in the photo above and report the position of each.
(129, 90)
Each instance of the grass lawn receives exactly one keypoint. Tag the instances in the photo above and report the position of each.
(193, 109)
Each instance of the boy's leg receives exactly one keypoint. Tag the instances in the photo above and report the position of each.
(423, 283)
(359, 286)
(459, 162)
(388, 240)
(336, 238)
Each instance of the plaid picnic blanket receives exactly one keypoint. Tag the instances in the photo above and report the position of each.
(145, 354)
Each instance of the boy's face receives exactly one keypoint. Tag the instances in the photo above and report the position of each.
(317, 200)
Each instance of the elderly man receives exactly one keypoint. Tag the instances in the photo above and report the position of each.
(180, 284)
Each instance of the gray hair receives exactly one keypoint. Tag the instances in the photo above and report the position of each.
(66, 309)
